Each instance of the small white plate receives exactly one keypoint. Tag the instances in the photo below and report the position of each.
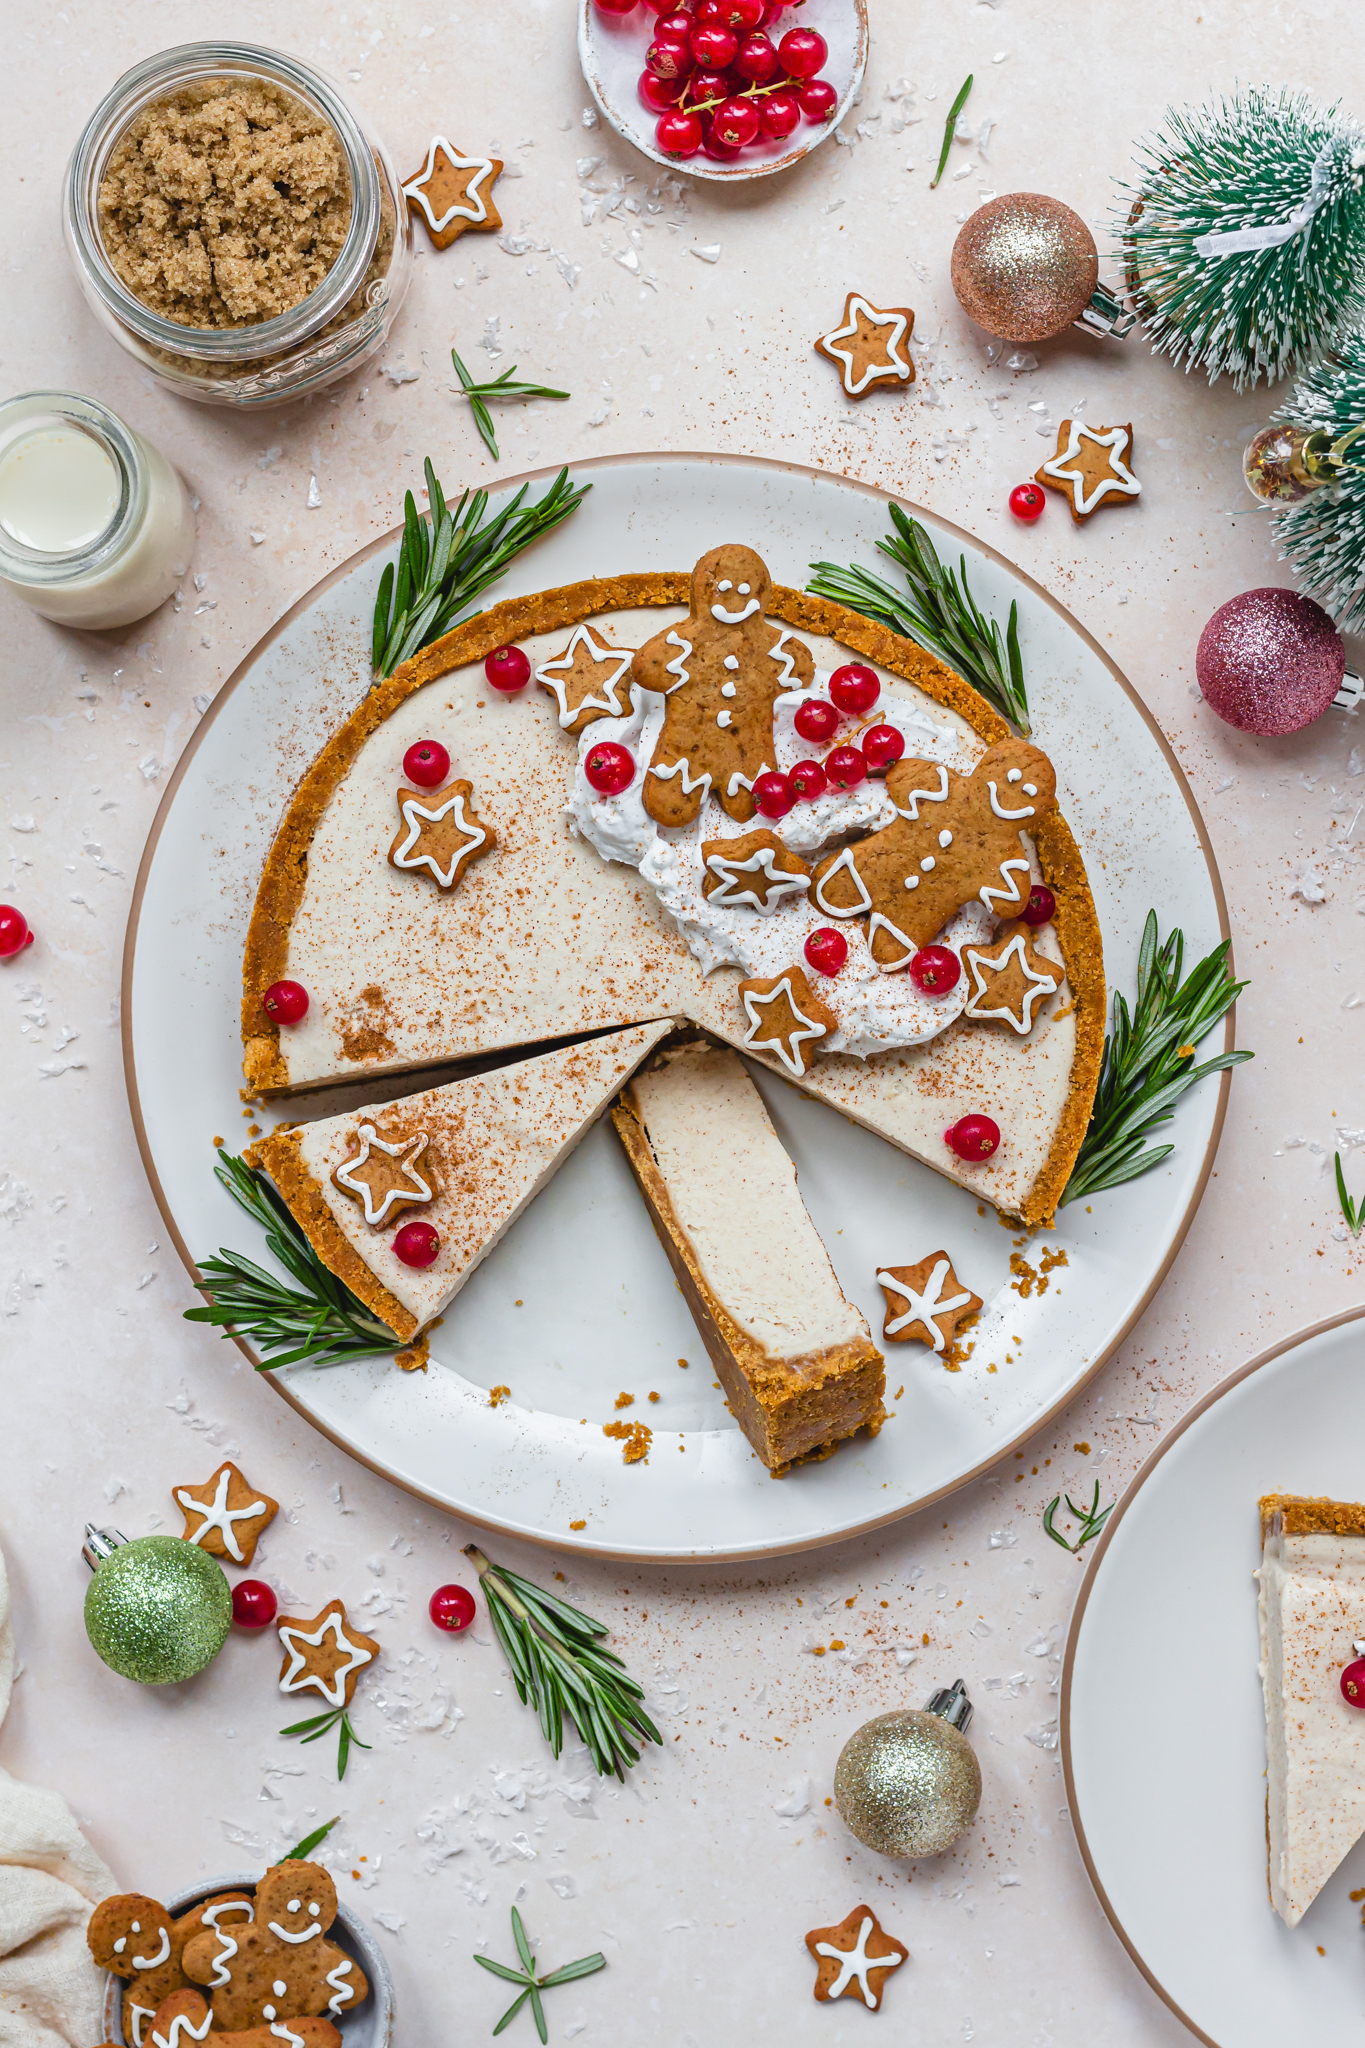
(578, 1303)
(1163, 1729)
(611, 49)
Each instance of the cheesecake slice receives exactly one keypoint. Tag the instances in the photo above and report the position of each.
(795, 1357)
(1312, 1613)
(465, 1158)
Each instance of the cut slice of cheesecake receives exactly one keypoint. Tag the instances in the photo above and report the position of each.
(1312, 1613)
(795, 1357)
(465, 1158)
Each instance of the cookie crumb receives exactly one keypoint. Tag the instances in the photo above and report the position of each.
(635, 1439)
(683, 1363)
(653, 1397)
(625, 1400)
(497, 1395)
(218, 1141)
(578, 1525)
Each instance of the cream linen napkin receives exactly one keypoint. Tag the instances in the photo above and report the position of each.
(51, 1994)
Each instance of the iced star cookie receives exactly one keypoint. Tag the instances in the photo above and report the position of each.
(1090, 469)
(925, 1302)
(325, 1654)
(869, 347)
(226, 1516)
(588, 680)
(855, 1958)
(1010, 979)
(387, 1173)
(440, 835)
(756, 872)
(785, 1017)
(453, 193)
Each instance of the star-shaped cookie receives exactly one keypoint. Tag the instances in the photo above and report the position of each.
(1089, 467)
(870, 347)
(754, 871)
(588, 680)
(1010, 978)
(857, 1956)
(386, 1175)
(925, 1302)
(324, 1655)
(440, 833)
(226, 1515)
(784, 1016)
(452, 193)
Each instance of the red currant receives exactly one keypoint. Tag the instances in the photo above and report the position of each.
(611, 768)
(803, 52)
(14, 931)
(817, 97)
(779, 115)
(816, 719)
(936, 969)
(973, 1136)
(677, 26)
(1041, 906)
(284, 1002)
(882, 747)
(714, 46)
(757, 59)
(615, 6)
(1027, 501)
(707, 85)
(736, 123)
(427, 764)
(712, 146)
(254, 1604)
(742, 15)
(827, 950)
(416, 1244)
(846, 767)
(708, 10)
(808, 780)
(854, 687)
(679, 134)
(507, 669)
(659, 94)
(451, 1607)
(1353, 1681)
(669, 59)
(773, 793)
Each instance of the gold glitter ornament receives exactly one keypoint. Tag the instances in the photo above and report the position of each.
(1025, 267)
(158, 1609)
(909, 1784)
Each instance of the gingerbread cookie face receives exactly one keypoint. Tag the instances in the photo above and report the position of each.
(784, 1016)
(855, 1958)
(453, 193)
(588, 680)
(755, 872)
(956, 838)
(138, 1939)
(1010, 979)
(1090, 468)
(719, 670)
(226, 1515)
(281, 1968)
(925, 1302)
(387, 1174)
(870, 347)
(325, 1655)
(440, 835)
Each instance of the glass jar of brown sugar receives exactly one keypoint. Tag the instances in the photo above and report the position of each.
(235, 226)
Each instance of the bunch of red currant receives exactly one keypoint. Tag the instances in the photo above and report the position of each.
(720, 83)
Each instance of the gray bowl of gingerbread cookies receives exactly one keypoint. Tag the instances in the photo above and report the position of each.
(273, 1959)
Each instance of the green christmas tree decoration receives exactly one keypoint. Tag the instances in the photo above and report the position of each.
(1244, 238)
(1323, 536)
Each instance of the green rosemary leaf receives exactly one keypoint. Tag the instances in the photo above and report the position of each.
(511, 2011)
(950, 129)
(528, 1961)
(1091, 1519)
(584, 1967)
(538, 2014)
(322, 1722)
(501, 1970)
(1353, 1211)
(568, 1973)
(301, 1851)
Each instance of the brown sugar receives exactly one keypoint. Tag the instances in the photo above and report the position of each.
(225, 204)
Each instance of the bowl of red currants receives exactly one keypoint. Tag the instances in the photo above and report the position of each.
(726, 89)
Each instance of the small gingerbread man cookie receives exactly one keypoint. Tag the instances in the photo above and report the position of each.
(925, 1302)
(755, 871)
(1089, 467)
(138, 1939)
(1010, 978)
(185, 2017)
(324, 1655)
(786, 1017)
(225, 1516)
(869, 348)
(440, 834)
(453, 193)
(855, 1958)
(282, 1967)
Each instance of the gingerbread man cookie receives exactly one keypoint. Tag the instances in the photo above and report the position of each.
(387, 1175)
(324, 1655)
(440, 834)
(186, 2016)
(282, 1967)
(453, 193)
(1010, 978)
(925, 1302)
(755, 871)
(855, 1957)
(956, 838)
(869, 348)
(785, 1016)
(1089, 467)
(719, 669)
(225, 1516)
(588, 680)
(136, 1938)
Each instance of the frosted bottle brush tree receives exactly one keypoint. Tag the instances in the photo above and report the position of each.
(1244, 234)
(1323, 536)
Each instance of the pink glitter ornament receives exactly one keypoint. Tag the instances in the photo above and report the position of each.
(1270, 662)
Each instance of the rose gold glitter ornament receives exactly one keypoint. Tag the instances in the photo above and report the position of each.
(1025, 267)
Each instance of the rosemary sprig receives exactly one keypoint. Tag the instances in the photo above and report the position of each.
(1354, 1212)
(314, 1730)
(447, 558)
(557, 1666)
(304, 1849)
(501, 387)
(1091, 1519)
(320, 1319)
(950, 129)
(1149, 1059)
(938, 611)
(526, 1975)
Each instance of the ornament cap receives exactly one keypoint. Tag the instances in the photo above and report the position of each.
(1349, 698)
(952, 1706)
(99, 1544)
(1106, 314)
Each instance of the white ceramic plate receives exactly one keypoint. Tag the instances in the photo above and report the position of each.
(601, 1312)
(1163, 1730)
(611, 49)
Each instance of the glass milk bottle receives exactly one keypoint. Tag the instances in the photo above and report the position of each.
(96, 528)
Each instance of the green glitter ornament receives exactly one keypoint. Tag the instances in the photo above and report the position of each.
(157, 1610)
(909, 1784)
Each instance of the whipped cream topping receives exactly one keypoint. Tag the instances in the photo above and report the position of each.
(875, 1010)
